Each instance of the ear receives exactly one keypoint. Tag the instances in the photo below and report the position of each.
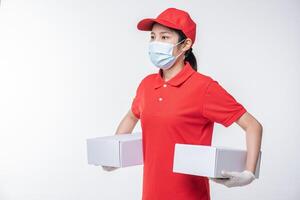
(187, 44)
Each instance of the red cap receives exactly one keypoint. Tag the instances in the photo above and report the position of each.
(173, 18)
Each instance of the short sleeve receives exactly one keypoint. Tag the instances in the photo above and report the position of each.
(136, 102)
(220, 106)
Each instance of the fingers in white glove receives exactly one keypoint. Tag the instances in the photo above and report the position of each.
(230, 174)
(219, 180)
(235, 179)
(109, 168)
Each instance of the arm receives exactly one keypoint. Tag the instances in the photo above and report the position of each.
(127, 124)
(253, 130)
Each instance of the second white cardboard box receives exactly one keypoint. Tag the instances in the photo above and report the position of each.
(209, 161)
(119, 150)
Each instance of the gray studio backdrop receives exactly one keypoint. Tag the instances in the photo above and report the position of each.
(69, 70)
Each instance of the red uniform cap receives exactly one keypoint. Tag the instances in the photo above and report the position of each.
(173, 18)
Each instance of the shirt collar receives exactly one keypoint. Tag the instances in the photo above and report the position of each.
(176, 80)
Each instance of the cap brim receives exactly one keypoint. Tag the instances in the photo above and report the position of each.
(146, 24)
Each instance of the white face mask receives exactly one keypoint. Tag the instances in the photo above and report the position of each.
(161, 54)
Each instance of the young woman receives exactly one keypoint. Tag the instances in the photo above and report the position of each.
(180, 105)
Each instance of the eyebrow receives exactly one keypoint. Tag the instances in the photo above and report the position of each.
(161, 32)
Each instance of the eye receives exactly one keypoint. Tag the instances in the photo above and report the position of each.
(164, 37)
(152, 37)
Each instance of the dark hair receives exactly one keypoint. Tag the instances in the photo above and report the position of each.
(189, 55)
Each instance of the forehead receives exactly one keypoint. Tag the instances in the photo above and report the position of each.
(159, 28)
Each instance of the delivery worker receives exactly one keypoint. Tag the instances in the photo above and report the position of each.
(180, 105)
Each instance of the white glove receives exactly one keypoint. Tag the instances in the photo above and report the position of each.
(109, 168)
(234, 179)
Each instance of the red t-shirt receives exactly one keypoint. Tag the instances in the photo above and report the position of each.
(180, 110)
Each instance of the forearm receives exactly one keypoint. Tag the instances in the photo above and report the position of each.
(253, 142)
(127, 124)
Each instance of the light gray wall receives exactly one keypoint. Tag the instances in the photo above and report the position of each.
(69, 70)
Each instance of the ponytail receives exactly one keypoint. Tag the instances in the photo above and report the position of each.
(190, 57)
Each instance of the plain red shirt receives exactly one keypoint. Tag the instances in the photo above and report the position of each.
(180, 110)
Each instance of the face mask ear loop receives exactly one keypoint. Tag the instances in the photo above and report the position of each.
(179, 54)
(179, 42)
(176, 45)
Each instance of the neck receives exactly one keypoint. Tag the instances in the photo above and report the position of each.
(167, 74)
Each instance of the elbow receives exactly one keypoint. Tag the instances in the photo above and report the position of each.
(260, 128)
(255, 126)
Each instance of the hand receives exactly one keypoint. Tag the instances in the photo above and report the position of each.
(234, 179)
(109, 168)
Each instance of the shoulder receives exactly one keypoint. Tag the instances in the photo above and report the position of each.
(148, 79)
(211, 85)
(202, 79)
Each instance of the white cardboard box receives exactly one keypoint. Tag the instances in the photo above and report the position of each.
(121, 150)
(209, 161)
